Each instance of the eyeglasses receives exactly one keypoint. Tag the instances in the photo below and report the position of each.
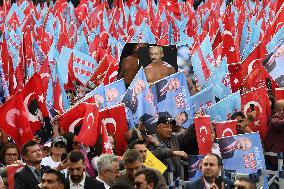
(116, 171)
(59, 146)
(12, 155)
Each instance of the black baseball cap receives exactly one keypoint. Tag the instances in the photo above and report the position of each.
(166, 120)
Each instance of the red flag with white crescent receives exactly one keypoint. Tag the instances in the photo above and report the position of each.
(203, 134)
(11, 170)
(89, 132)
(112, 71)
(257, 98)
(14, 121)
(115, 121)
(226, 128)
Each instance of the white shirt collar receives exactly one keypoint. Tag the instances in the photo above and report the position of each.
(207, 185)
(82, 183)
(105, 184)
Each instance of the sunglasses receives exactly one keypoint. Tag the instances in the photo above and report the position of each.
(11, 155)
(59, 145)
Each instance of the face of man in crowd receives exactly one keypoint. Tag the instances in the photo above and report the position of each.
(132, 168)
(111, 95)
(165, 130)
(174, 84)
(139, 87)
(76, 170)
(141, 148)
(58, 148)
(210, 168)
(156, 54)
(34, 155)
(50, 181)
(99, 98)
(243, 184)
(112, 174)
(180, 118)
(141, 183)
(11, 155)
(243, 144)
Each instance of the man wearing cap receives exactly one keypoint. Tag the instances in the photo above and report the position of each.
(58, 147)
(165, 144)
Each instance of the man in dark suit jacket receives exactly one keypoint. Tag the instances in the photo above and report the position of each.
(229, 145)
(164, 86)
(30, 176)
(211, 167)
(76, 170)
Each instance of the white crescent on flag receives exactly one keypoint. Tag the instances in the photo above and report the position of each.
(227, 130)
(246, 107)
(72, 125)
(31, 117)
(10, 116)
(111, 121)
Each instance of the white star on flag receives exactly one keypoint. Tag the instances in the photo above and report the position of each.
(256, 123)
(41, 98)
(169, 3)
(232, 49)
(236, 80)
(107, 145)
(21, 131)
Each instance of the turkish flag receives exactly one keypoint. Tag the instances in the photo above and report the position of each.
(229, 48)
(11, 170)
(279, 94)
(14, 121)
(203, 134)
(89, 132)
(112, 71)
(171, 5)
(115, 121)
(34, 102)
(72, 118)
(226, 128)
(259, 99)
(101, 71)
(236, 77)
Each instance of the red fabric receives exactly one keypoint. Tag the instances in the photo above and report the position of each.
(171, 5)
(89, 132)
(101, 71)
(260, 100)
(115, 121)
(11, 170)
(72, 118)
(14, 121)
(279, 94)
(203, 134)
(226, 128)
(112, 71)
(236, 77)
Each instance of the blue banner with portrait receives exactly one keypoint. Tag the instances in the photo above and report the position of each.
(139, 100)
(114, 93)
(98, 93)
(173, 99)
(203, 99)
(194, 167)
(245, 149)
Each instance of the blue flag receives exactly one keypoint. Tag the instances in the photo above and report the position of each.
(222, 110)
(194, 171)
(173, 92)
(98, 93)
(246, 150)
(203, 99)
(139, 100)
(114, 93)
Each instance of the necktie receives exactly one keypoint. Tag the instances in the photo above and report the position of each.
(38, 174)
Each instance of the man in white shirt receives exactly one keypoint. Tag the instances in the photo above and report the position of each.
(108, 169)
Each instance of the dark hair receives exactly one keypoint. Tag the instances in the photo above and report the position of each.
(3, 150)
(133, 136)
(186, 116)
(252, 185)
(76, 156)
(60, 176)
(69, 137)
(120, 186)
(150, 176)
(27, 145)
(33, 106)
(219, 160)
(130, 156)
(236, 114)
(135, 142)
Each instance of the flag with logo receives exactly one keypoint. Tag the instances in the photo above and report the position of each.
(203, 134)
(114, 92)
(203, 99)
(154, 163)
(194, 167)
(226, 128)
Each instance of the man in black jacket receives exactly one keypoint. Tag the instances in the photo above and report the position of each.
(30, 176)
(77, 177)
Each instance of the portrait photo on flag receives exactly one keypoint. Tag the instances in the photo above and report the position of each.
(245, 149)
(194, 167)
(172, 91)
(114, 92)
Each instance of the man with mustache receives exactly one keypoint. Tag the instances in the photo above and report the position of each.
(158, 69)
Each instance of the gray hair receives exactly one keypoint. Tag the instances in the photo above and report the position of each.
(104, 162)
(159, 47)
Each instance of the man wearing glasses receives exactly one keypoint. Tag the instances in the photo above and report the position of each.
(108, 169)
(145, 179)
(55, 161)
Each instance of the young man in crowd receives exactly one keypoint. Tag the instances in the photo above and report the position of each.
(52, 179)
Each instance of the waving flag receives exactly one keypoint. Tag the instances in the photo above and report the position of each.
(203, 99)
(14, 121)
(172, 91)
(98, 93)
(226, 128)
(114, 93)
(83, 66)
(222, 110)
(259, 100)
(203, 134)
(194, 163)
(139, 100)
